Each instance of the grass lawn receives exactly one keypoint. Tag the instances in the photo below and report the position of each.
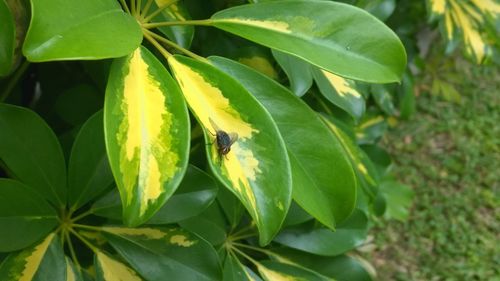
(450, 154)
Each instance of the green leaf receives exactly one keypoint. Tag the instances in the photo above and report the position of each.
(7, 39)
(274, 271)
(232, 207)
(180, 34)
(44, 261)
(209, 225)
(382, 9)
(316, 155)
(75, 30)
(110, 269)
(341, 92)
(398, 198)
(25, 216)
(221, 104)
(407, 106)
(72, 273)
(370, 129)
(324, 242)
(160, 252)
(298, 72)
(352, 43)
(383, 97)
(195, 193)
(32, 153)
(78, 103)
(364, 168)
(146, 127)
(340, 268)
(89, 173)
(234, 270)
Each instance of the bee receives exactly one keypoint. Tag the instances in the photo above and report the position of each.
(223, 140)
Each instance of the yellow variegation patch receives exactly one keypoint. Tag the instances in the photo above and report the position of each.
(150, 233)
(269, 274)
(212, 107)
(467, 19)
(181, 240)
(279, 26)
(31, 259)
(114, 270)
(144, 132)
(70, 273)
(344, 87)
(260, 64)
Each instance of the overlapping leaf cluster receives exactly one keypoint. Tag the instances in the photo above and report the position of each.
(148, 192)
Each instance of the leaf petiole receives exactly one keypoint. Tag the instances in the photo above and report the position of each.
(158, 11)
(207, 22)
(175, 46)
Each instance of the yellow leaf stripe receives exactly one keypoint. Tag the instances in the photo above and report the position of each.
(208, 103)
(144, 133)
(171, 236)
(279, 26)
(344, 87)
(114, 270)
(31, 260)
(468, 18)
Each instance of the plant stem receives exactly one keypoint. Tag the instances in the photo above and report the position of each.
(175, 46)
(160, 9)
(242, 236)
(146, 9)
(82, 215)
(155, 43)
(85, 241)
(13, 81)
(206, 22)
(125, 7)
(95, 228)
(132, 7)
(138, 7)
(72, 250)
(264, 251)
(245, 256)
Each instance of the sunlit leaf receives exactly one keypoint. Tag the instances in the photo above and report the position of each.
(147, 134)
(222, 104)
(323, 180)
(62, 30)
(353, 43)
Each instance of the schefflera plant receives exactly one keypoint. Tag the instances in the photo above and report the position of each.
(295, 190)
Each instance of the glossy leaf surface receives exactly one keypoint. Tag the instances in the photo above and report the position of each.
(147, 134)
(322, 241)
(341, 92)
(7, 39)
(44, 261)
(159, 252)
(25, 216)
(89, 173)
(248, 169)
(59, 27)
(323, 180)
(31, 151)
(341, 268)
(353, 43)
(195, 193)
(298, 72)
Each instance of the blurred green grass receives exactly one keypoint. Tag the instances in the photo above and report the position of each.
(450, 154)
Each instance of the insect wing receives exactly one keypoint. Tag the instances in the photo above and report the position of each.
(233, 138)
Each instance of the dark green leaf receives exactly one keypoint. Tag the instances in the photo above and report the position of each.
(89, 173)
(7, 39)
(210, 225)
(70, 30)
(382, 94)
(298, 72)
(32, 153)
(25, 216)
(157, 253)
(273, 271)
(322, 241)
